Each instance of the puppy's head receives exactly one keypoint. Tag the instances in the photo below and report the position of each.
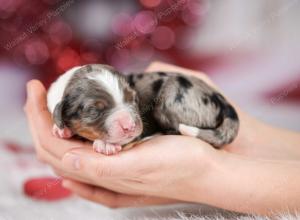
(99, 104)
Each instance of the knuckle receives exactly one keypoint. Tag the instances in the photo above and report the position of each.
(60, 173)
(102, 171)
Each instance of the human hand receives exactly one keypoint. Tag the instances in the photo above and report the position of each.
(113, 199)
(51, 149)
(162, 166)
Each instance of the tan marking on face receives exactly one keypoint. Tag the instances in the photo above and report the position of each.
(86, 132)
(128, 95)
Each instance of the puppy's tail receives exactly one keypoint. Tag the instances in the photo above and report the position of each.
(222, 135)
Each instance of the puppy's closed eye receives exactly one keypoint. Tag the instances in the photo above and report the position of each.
(101, 104)
(93, 112)
(94, 109)
(136, 99)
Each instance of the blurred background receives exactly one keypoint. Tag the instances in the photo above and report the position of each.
(250, 49)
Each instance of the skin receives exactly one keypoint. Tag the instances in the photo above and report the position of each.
(259, 171)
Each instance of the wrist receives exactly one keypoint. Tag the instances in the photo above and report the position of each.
(206, 167)
(248, 137)
(219, 181)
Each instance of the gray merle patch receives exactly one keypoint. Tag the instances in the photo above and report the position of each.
(183, 82)
(157, 85)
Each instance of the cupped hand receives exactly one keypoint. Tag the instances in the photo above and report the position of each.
(138, 171)
(161, 170)
(164, 166)
(50, 149)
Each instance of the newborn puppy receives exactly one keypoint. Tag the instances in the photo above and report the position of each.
(173, 103)
(95, 102)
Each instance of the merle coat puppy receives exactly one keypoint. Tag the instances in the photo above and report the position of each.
(173, 103)
(95, 102)
(101, 105)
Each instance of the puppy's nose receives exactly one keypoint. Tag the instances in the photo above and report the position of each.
(127, 124)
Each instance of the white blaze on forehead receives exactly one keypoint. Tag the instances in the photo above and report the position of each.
(110, 82)
(56, 90)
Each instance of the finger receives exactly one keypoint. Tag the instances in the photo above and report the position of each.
(67, 175)
(110, 198)
(89, 192)
(86, 162)
(57, 166)
(36, 93)
(36, 105)
(35, 138)
(39, 118)
(48, 158)
(30, 118)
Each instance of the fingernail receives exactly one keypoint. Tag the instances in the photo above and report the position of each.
(72, 160)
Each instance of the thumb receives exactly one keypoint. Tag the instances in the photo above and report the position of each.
(36, 107)
(36, 96)
(87, 163)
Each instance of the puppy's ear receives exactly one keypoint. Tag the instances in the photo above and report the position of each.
(58, 115)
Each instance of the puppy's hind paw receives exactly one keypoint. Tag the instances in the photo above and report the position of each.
(61, 133)
(188, 130)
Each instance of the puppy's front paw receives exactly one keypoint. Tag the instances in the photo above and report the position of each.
(106, 148)
(61, 133)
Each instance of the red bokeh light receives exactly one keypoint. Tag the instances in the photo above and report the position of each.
(122, 24)
(67, 59)
(89, 58)
(119, 58)
(163, 38)
(142, 50)
(36, 52)
(150, 3)
(60, 32)
(145, 22)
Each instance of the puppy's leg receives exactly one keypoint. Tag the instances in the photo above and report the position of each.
(61, 133)
(106, 148)
(213, 137)
(188, 130)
